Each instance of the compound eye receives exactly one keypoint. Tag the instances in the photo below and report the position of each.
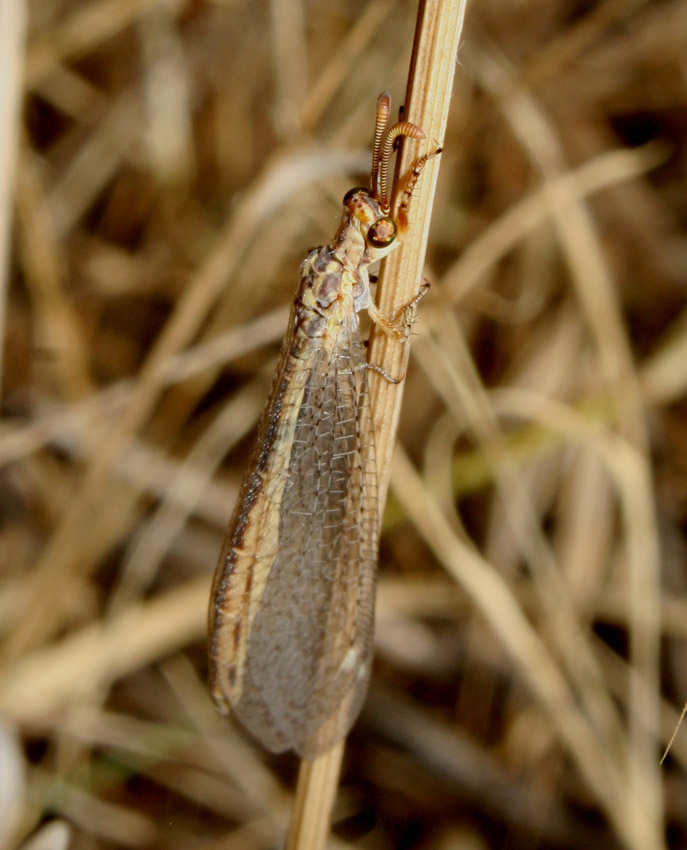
(353, 191)
(381, 233)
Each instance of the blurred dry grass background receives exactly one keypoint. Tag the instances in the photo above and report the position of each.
(175, 160)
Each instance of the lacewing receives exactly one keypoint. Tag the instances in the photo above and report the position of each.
(292, 607)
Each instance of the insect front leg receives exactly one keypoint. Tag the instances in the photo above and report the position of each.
(400, 327)
(404, 190)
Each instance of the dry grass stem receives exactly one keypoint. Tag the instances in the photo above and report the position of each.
(430, 83)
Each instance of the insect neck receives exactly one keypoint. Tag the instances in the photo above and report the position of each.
(349, 245)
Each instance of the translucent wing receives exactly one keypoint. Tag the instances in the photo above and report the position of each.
(304, 640)
(291, 614)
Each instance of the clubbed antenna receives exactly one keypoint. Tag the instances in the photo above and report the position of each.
(383, 110)
(384, 147)
(403, 128)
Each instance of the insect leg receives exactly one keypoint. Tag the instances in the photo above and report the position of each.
(404, 190)
(400, 327)
(373, 367)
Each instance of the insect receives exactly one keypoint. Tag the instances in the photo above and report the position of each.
(292, 607)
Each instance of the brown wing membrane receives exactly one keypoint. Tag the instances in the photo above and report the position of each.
(308, 650)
